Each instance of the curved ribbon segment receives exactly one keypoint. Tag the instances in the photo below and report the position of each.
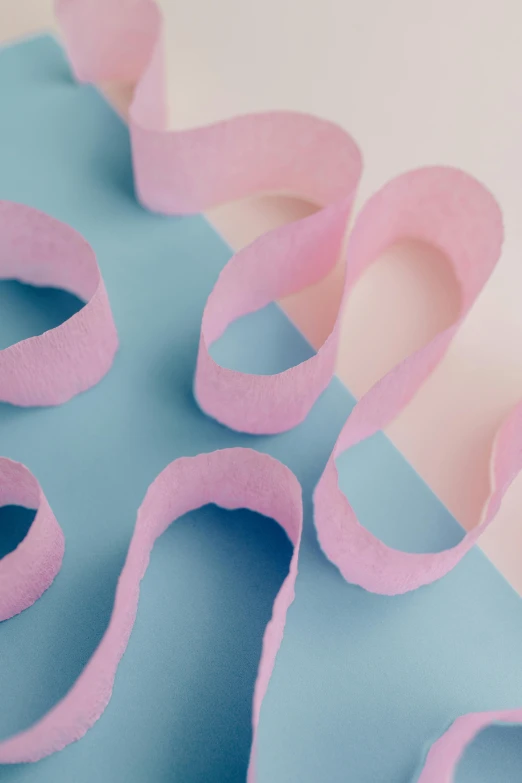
(54, 366)
(178, 172)
(231, 478)
(27, 571)
(452, 211)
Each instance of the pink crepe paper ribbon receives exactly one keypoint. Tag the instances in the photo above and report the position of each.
(52, 367)
(188, 171)
(231, 478)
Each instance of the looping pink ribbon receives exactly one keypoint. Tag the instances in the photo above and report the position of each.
(188, 171)
(29, 570)
(53, 367)
(231, 478)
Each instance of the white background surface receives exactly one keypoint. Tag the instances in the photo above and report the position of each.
(415, 82)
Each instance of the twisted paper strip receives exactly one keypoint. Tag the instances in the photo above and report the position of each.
(178, 172)
(232, 478)
(52, 367)
(30, 569)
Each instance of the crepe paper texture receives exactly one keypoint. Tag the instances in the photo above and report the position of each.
(30, 569)
(52, 367)
(188, 171)
(231, 478)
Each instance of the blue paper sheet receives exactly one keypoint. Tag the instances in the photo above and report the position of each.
(362, 683)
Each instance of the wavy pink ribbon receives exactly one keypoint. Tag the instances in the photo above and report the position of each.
(188, 171)
(52, 367)
(231, 478)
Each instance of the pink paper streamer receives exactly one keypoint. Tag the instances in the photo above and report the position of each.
(30, 569)
(179, 172)
(454, 213)
(54, 366)
(232, 478)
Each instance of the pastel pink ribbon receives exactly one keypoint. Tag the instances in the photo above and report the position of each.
(188, 171)
(29, 570)
(52, 367)
(232, 478)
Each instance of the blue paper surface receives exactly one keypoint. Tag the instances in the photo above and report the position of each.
(362, 683)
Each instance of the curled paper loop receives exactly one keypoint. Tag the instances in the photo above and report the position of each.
(231, 478)
(27, 571)
(188, 171)
(454, 213)
(278, 264)
(54, 366)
